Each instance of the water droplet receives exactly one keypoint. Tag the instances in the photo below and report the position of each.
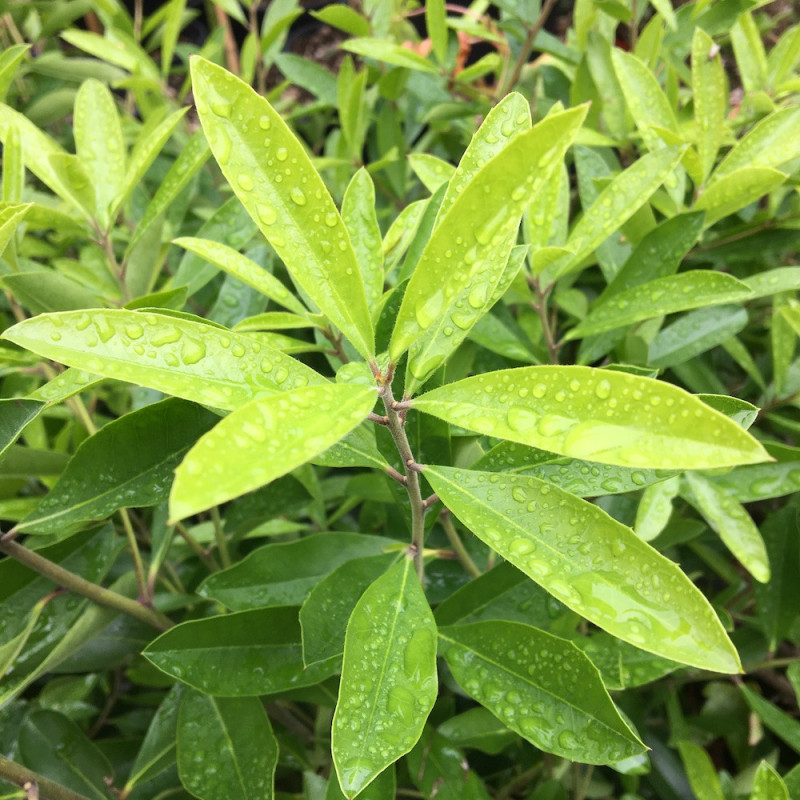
(298, 196)
(266, 213)
(134, 331)
(518, 493)
(331, 219)
(221, 108)
(521, 419)
(281, 154)
(264, 123)
(428, 308)
(192, 351)
(245, 182)
(477, 297)
(55, 336)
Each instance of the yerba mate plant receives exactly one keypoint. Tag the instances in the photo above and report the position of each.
(485, 466)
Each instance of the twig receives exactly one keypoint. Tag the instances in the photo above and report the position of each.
(28, 780)
(231, 53)
(219, 535)
(455, 540)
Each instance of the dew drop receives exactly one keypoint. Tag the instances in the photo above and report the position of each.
(264, 123)
(192, 351)
(603, 389)
(245, 182)
(298, 196)
(281, 154)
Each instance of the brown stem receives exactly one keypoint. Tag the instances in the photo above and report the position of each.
(539, 305)
(231, 52)
(31, 781)
(457, 545)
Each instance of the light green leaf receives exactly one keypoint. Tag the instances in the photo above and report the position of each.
(735, 190)
(244, 269)
(701, 771)
(687, 290)
(771, 143)
(100, 145)
(664, 8)
(389, 53)
(127, 463)
(748, 47)
(540, 686)
(617, 203)
(9, 63)
(431, 170)
(590, 562)
(473, 228)
(15, 414)
(598, 415)
(774, 281)
(344, 18)
(768, 785)
(782, 58)
(202, 363)
(245, 654)
(295, 213)
(779, 722)
(655, 508)
(278, 433)
(11, 648)
(750, 484)
(273, 321)
(63, 386)
(13, 168)
(708, 93)
(226, 747)
(11, 217)
(388, 684)
(732, 523)
(357, 449)
(436, 25)
(358, 215)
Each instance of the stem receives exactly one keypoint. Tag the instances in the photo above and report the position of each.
(412, 480)
(231, 53)
(219, 535)
(78, 585)
(138, 564)
(28, 780)
(633, 27)
(455, 540)
(527, 47)
(196, 547)
(540, 307)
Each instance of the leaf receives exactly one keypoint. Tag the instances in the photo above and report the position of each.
(279, 433)
(297, 216)
(327, 609)
(731, 522)
(540, 686)
(431, 170)
(751, 60)
(477, 728)
(53, 744)
(9, 63)
(244, 269)
(42, 291)
(436, 25)
(622, 665)
(389, 53)
(668, 295)
(701, 771)
(188, 359)
(780, 723)
(708, 93)
(226, 747)
(590, 562)
(388, 684)
(344, 18)
(655, 509)
(768, 785)
(467, 235)
(597, 415)
(284, 574)
(774, 281)
(127, 463)
(15, 414)
(11, 217)
(617, 203)
(736, 190)
(100, 145)
(245, 654)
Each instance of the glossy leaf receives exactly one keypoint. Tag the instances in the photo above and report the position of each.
(389, 53)
(127, 463)
(731, 522)
(749, 484)
(596, 415)
(356, 449)
(708, 91)
(655, 508)
(701, 772)
(283, 574)
(436, 24)
(768, 785)
(779, 722)
(736, 190)
(295, 213)
(189, 359)
(431, 170)
(225, 747)
(751, 60)
(278, 433)
(244, 269)
(15, 414)
(622, 665)
(246, 654)
(465, 235)
(388, 684)
(590, 562)
(687, 290)
(540, 686)
(11, 217)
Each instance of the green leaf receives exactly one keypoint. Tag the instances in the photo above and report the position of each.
(295, 213)
(701, 771)
(768, 785)
(431, 170)
(246, 654)
(283, 574)
(736, 190)
(11, 217)
(780, 723)
(389, 53)
(590, 562)
(617, 203)
(279, 433)
(708, 93)
(9, 63)
(244, 269)
(540, 686)
(388, 684)
(327, 609)
(188, 359)
(668, 295)
(467, 235)
(436, 24)
(655, 509)
(53, 744)
(732, 523)
(748, 47)
(477, 728)
(10, 649)
(43, 291)
(622, 665)
(100, 145)
(357, 449)
(127, 463)
(597, 415)
(344, 18)
(226, 747)
(15, 414)
(440, 771)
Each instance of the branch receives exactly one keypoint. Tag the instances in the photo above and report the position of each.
(27, 780)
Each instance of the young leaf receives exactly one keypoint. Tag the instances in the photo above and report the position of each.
(188, 359)
(225, 747)
(708, 92)
(733, 524)
(127, 463)
(278, 433)
(388, 684)
(388, 52)
(598, 415)
(701, 771)
(736, 190)
(590, 562)
(436, 23)
(274, 178)
(99, 144)
(694, 289)
(768, 785)
(540, 686)
(432, 171)
(468, 235)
